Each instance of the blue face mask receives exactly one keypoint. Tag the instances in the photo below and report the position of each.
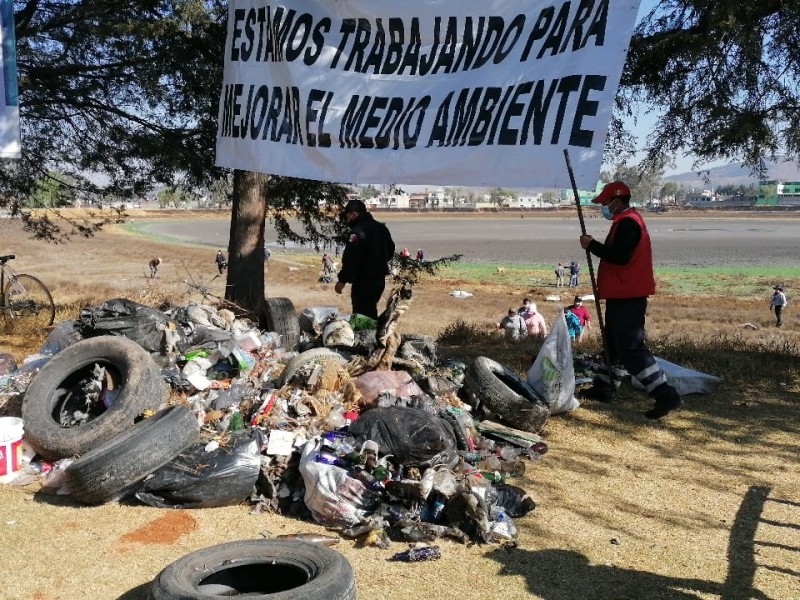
(606, 212)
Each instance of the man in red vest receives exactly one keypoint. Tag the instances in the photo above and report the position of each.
(625, 281)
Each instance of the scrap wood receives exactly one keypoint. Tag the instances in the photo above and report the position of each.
(387, 337)
(387, 356)
(329, 378)
(516, 436)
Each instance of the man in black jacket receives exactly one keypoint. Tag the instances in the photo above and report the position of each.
(365, 260)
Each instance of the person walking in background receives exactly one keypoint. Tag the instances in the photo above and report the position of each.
(560, 273)
(574, 272)
(420, 255)
(221, 262)
(267, 255)
(579, 310)
(365, 259)
(154, 264)
(513, 326)
(625, 281)
(404, 253)
(778, 303)
(328, 266)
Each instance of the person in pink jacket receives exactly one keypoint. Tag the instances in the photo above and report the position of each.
(534, 321)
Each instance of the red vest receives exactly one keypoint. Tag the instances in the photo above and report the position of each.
(634, 280)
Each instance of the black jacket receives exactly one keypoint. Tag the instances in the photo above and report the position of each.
(368, 251)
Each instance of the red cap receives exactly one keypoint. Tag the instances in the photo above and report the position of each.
(612, 190)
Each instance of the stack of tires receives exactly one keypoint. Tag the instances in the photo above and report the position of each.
(116, 449)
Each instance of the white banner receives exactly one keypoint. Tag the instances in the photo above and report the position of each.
(445, 92)
(9, 103)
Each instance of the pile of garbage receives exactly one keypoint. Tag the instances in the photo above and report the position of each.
(337, 418)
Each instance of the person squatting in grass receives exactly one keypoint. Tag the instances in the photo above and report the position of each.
(365, 259)
(625, 281)
(777, 303)
(513, 326)
(154, 264)
(579, 310)
(573, 324)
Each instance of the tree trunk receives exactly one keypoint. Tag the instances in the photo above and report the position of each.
(245, 284)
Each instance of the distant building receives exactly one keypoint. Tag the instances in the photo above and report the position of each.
(701, 199)
(394, 200)
(778, 193)
(418, 201)
(584, 196)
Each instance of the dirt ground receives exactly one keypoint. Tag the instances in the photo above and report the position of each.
(705, 504)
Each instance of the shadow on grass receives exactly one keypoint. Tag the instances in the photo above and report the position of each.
(567, 575)
(56, 500)
(140, 592)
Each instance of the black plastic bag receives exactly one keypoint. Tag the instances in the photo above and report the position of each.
(200, 479)
(412, 436)
(514, 500)
(126, 318)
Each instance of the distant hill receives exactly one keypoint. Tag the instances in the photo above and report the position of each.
(735, 174)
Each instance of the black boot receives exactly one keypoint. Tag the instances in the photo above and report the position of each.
(600, 391)
(667, 400)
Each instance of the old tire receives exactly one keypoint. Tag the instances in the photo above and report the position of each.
(281, 317)
(131, 367)
(268, 569)
(506, 395)
(315, 355)
(111, 471)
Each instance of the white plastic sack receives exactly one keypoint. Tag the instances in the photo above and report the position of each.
(334, 498)
(685, 381)
(552, 374)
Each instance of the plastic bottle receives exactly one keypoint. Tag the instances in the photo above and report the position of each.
(535, 452)
(381, 473)
(502, 527)
(369, 481)
(433, 511)
(494, 476)
(490, 463)
(327, 458)
(237, 422)
(339, 442)
(395, 513)
(419, 554)
(335, 418)
(509, 453)
(471, 457)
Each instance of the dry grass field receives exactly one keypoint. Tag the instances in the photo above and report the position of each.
(705, 504)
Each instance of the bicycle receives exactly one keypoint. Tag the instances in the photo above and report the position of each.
(25, 302)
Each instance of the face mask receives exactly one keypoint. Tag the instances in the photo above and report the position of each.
(606, 212)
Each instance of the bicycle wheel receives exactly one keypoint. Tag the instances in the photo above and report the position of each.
(29, 305)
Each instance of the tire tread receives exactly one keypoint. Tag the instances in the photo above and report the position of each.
(142, 389)
(109, 471)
